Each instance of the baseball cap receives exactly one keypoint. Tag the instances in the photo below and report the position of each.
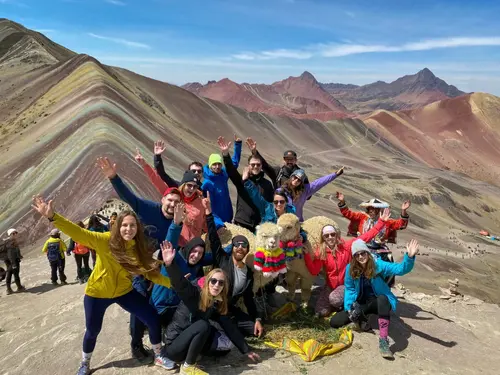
(290, 154)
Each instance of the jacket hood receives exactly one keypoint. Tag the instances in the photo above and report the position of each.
(209, 175)
(186, 250)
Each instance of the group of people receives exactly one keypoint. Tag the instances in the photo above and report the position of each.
(187, 297)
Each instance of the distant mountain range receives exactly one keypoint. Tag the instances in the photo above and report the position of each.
(305, 97)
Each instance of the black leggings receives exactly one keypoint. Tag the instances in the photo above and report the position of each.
(189, 344)
(376, 305)
(85, 270)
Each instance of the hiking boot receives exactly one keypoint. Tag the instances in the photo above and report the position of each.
(9, 290)
(162, 361)
(383, 346)
(84, 369)
(82, 281)
(142, 354)
(21, 288)
(64, 283)
(55, 283)
(192, 370)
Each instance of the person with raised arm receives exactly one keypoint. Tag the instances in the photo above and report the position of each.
(155, 216)
(277, 174)
(332, 255)
(187, 334)
(366, 291)
(216, 182)
(247, 215)
(121, 253)
(239, 276)
(159, 147)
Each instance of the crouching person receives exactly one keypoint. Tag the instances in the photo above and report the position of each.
(366, 292)
(55, 248)
(189, 330)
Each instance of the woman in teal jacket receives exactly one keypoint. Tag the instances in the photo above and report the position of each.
(366, 292)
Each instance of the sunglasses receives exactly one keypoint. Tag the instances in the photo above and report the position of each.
(361, 254)
(329, 235)
(214, 281)
(240, 244)
(255, 164)
(279, 202)
(196, 171)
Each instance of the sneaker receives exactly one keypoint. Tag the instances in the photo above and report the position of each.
(84, 369)
(142, 354)
(162, 361)
(383, 346)
(64, 283)
(9, 291)
(55, 283)
(21, 288)
(192, 370)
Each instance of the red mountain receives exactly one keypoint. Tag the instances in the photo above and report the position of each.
(407, 92)
(300, 97)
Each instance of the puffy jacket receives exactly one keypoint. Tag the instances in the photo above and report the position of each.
(383, 271)
(62, 245)
(357, 220)
(188, 312)
(108, 279)
(246, 211)
(216, 185)
(279, 174)
(335, 265)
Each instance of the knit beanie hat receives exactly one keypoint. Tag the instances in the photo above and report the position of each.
(214, 158)
(239, 239)
(299, 173)
(190, 176)
(359, 246)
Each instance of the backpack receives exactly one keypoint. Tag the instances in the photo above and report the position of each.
(80, 249)
(53, 251)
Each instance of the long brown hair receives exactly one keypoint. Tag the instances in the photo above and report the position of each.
(142, 262)
(295, 192)
(356, 269)
(207, 300)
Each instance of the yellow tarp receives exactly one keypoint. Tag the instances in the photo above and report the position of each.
(310, 349)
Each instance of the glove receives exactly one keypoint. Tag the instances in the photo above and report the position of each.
(355, 314)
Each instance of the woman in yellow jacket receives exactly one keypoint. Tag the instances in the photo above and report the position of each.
(121, 254)
(55, 248)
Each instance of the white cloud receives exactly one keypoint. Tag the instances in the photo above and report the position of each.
(116, 2)
(125, 42)
(337, 50)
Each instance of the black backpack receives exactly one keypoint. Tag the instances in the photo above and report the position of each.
(53, 251)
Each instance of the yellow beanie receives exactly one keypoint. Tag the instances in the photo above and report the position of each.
(214, 158)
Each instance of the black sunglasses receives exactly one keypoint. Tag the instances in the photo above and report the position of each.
(214, 281)
(279, 202)
(240, 244)
(328, 235)
(196, 171)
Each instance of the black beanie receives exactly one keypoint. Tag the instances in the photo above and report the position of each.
(190, 176)
(240, 238)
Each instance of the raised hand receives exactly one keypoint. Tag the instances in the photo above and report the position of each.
(412, 248)
(236, 138)
(406, 205)
(179, 213)
(138, 157)
(168, 252)
(340, 196)
(159, 147)
(224, 147)
(107, 168)
(207, 204)
(252, 145)
(246, 173)
(340, 171)
(42, 207)
(386, 214)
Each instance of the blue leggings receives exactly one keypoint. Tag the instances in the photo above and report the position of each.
(132, 302)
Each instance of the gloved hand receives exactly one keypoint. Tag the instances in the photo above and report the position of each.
(355, 314)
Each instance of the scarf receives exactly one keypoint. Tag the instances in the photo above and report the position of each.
(190, 199)
(270, 262)
(292, 249)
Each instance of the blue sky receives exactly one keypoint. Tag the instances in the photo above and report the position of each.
(267, 40)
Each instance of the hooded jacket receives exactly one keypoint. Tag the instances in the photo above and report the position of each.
(217, 186)
(246, 211)
(335, 265)
(357, 220)
(189, 312)
(383, 270)
(108, 279)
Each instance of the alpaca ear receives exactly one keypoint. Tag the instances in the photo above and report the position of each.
(280, 230)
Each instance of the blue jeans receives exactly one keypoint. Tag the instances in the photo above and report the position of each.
(131, 302)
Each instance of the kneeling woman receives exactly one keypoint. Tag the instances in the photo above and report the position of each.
(121, 254)
(189, 330)
(367, 293)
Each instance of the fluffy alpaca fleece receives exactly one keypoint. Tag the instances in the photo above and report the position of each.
(296, 267)
(314, 226)
(264, 231)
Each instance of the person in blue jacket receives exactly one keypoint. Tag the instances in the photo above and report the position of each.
(216, 182)
(366, 292)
